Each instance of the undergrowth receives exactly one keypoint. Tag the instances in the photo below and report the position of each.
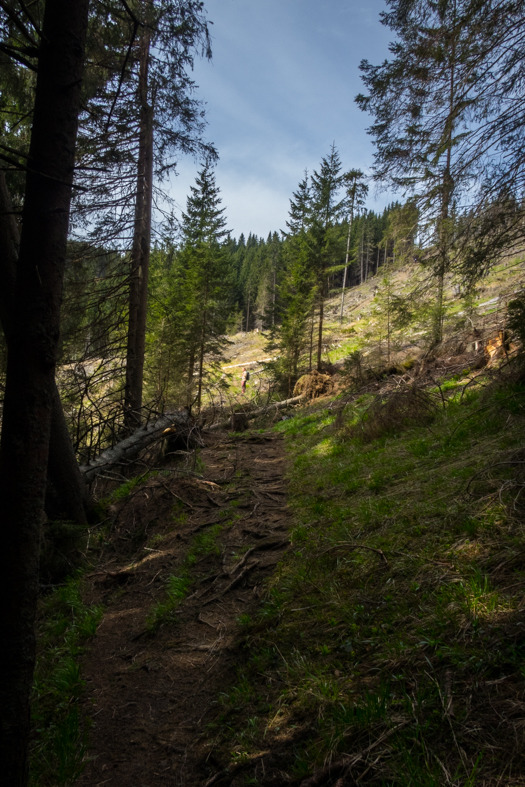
(392, 633)
(64, 625)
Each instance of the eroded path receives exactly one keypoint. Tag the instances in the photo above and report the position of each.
(152, 696)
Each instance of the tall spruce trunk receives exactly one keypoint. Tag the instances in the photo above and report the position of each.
(67, 493)
(274, 291)
(361, 280)
(191, 369)
(311, 339)
(446, 198)
(140, 253)
(30, 379)
(346, 260)
(201, 349)
(320, 335)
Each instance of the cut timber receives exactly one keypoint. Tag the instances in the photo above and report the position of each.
(128, 448)
(262, 411)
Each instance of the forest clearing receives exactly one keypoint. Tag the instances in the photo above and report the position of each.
(261, 444)
(331, 594)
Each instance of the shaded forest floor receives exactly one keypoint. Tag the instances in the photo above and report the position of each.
(184, 563)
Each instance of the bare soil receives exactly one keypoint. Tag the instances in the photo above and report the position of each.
(151, 696)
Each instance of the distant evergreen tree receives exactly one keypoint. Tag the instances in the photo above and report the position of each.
(324, 236)
(300, 207)
(204, 220)
(207, 275)
(190, 301)
(289, 334)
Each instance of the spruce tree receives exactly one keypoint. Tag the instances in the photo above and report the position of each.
(206, 276)
(300, 207)
(324, 243)
(422, 101)
(289, 334)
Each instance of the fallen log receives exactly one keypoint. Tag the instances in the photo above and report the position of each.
(275, 406)
(179, 422)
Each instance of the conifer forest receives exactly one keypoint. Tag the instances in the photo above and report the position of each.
(262, 510)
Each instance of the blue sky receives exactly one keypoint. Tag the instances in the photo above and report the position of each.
(279, 90)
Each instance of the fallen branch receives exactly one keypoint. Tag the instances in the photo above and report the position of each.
(129, 447)
(270, 408)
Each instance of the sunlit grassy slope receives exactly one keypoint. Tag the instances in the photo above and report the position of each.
(360, 328)
(393, 633)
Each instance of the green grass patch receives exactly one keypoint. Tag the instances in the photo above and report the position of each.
(394, 620)
(65, 624)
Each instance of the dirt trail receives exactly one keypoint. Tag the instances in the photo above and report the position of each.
(151, 697)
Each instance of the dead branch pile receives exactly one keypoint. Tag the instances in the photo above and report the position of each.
(400, 410)
(313, 384)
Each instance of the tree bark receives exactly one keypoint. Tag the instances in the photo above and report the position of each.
(138, 294)
(191, 369)
(127, 449)
(320, 336)
(201, 349)
(67, 494)
(351, 221)
(311, 339)
(274, 291)
(447, 190)
(30, 380)
(362, 257)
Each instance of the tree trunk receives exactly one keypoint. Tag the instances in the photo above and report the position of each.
(138, 293)
(179, 422)
(30, 380)
(361, 260)
(67, 494)
(346, 262)
(201, 351)
(274, 407)
(191, 369)
(274, 293)
(311, 339)
(447, 192)
(248, 314)
(320, 337)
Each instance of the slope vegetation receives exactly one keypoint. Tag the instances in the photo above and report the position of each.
(390, 647)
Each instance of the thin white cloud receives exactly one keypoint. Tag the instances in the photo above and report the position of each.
(279, 91)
